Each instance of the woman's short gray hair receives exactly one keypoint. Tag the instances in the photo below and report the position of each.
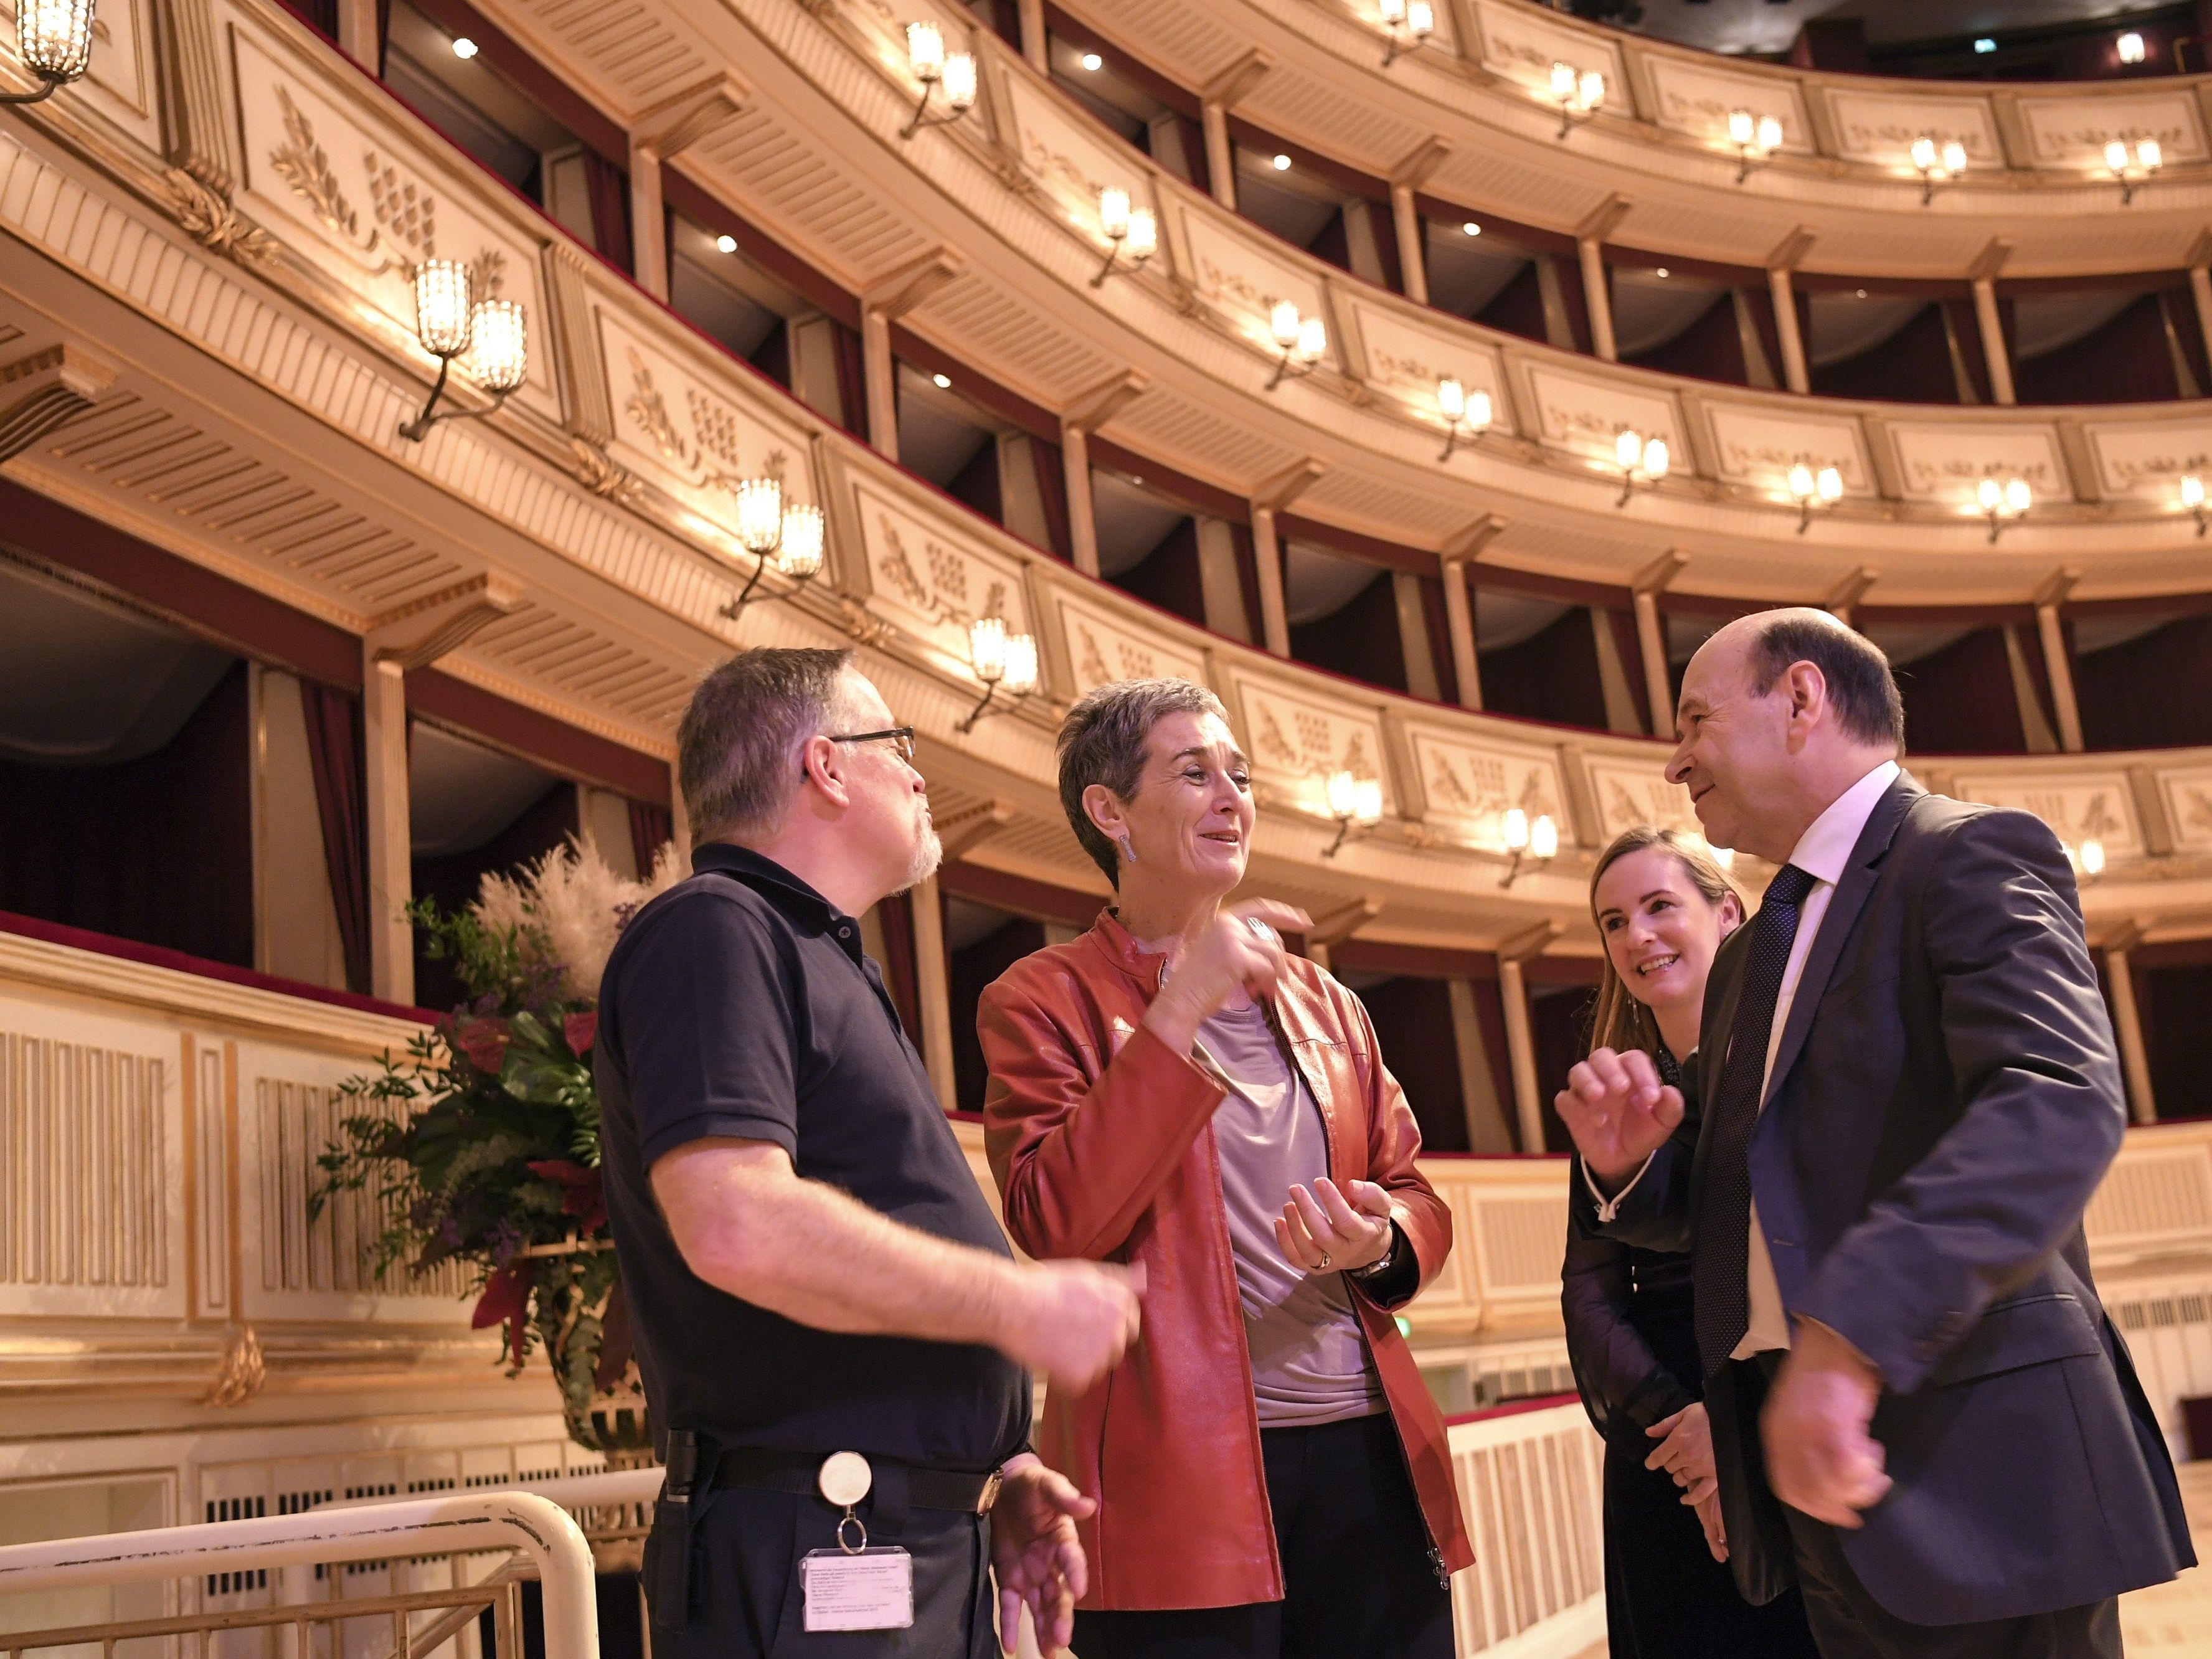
(1103, 742)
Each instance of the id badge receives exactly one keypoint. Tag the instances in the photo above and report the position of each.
(863, 1589)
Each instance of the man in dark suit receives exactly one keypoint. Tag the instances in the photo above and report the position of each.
(1907, 1093)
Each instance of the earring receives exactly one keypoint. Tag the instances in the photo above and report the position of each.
(1128, 852)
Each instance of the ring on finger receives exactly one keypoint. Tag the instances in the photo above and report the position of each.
(1324, 1259)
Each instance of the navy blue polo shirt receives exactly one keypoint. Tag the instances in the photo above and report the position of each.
(739, 1003)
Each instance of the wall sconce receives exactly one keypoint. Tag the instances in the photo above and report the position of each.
(1641, 461)
(1001, 660)
(1464, 412)
(2192, 497)
(1755, 138)
(926, 55)
(1355, 803)
(1132, 231)
(791, 536)
(1410, 22)
(1535, 842)
(1810, 489)
(1302, 340)
(2003, 503)
(54, 40)
(1578, 94)
(495, 334)
(2088, 858)
(2133, 168)
(1938, 163)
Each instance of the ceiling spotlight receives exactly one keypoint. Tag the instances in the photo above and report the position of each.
(726, 243)
(1983, 45)
(2130, 47)
(1471, 228)
(464, 48)
(1093, 63)
(1282, 164)
(940, 382)
(1860, 294)
(1661, 273)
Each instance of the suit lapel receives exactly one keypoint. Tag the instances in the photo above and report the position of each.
(1850, 898)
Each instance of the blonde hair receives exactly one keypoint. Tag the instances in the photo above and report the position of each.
(1617, 1020)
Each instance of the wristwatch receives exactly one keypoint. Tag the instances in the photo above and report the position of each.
(1382, 1263)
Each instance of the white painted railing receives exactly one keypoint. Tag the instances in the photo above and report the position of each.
(1531, 1483)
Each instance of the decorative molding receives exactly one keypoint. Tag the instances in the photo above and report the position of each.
(45, 390)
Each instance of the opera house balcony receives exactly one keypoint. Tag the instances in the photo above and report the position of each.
(404, 405)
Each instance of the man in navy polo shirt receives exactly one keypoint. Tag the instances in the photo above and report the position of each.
(833, 1332)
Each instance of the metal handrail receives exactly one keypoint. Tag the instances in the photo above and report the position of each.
(466, 1604)
(449, 1524)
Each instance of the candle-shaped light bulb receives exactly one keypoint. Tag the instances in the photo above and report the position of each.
(2093, 858)
(1656, 459)
(499, 349)
(54, 37)
(760, 514)
(1627, 446)
(1955, 157)
(1742, 126)
(1367, 800)
(1478, 411)
(1451, 399)
(1144, 239)
(1923, 154)
(1313, 339)
(1420, 19)
(1830, 484)
(2016, 494)
(2192, 490)
(1543, 837)
(925, 50)
(1393, 11)
(800, 554)
(960, 82)
(1283, 323)
(1769, 137)
(2116, 156)
(1800, 482)
(1342, 791)
(1590, 89)
(1563, 81)
(1516, 830)
(1113, 212)
(1991, 493)
(2148, 153)
(443, 314)
(986, 649)
(1021, 677)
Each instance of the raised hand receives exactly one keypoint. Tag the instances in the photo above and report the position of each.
(1328, 1232)
(1072, 1322)
(1820, 1456)
(1617, 1112)
(1239, 947)
(1035, 1554)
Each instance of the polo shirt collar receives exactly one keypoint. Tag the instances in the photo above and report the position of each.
(767, 876)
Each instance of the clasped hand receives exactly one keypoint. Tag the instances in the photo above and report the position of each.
(1618, 1111)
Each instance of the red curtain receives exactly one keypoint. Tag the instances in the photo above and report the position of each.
(336, 756)
(608, 189)
(651, 829)
(1959, 700)
(1051, 490)
(852, 381)
(897, 916)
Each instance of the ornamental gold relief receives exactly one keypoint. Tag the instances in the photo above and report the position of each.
(1102, 648)
(929, 580)
(1944, 464)
(2067, 132)
(1697, 99)
(1235, 274)
(1406, 356)
(1879, 127)
(2188, 796)
(1628, 792)
(1468, 786)
(1296, 740)
(2088, 806)
(2148, 457)
(1584, 414)
(1758, 446)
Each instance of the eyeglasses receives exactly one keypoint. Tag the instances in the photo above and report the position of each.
(901, 737)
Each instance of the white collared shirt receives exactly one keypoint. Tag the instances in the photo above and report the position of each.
(1822, 852)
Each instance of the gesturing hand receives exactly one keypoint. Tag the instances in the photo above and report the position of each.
(1819, 1456)
(1237, 948)
(1617, 1112)
(1323, 1233)
(1686, 1451)
(1072, 1321)
(1035, 1555)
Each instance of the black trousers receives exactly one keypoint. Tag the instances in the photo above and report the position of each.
(745, 1597)
(1356, 1573)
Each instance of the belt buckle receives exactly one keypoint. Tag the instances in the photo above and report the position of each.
(990, 1497)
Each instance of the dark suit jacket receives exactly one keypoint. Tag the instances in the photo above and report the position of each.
(1945, 1098)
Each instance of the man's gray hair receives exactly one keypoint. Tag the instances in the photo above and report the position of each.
(1103, 742)
(737, 749)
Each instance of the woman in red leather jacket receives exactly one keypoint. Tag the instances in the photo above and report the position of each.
(1174, 1089)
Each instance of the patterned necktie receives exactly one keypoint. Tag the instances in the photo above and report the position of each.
(1721, 1254)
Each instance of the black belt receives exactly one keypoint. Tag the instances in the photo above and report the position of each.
(763, 1470)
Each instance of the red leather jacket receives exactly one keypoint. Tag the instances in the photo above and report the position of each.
(1101, 1139)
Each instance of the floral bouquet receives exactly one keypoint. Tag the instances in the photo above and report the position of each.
(481, 1142)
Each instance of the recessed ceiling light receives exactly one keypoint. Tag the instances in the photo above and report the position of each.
(463, 47)
(1661, 273)
(1471, 228)
(1093, 61)
(1861, 293)
(941, 383)
(1984, 44)
(2132, 47)
(1282, 164)
(727, 244)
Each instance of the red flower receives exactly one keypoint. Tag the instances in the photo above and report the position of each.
(484, 1042)
(582, 1029)
(505, 1301)
(586, 1198)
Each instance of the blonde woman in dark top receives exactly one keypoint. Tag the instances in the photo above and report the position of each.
(1662, 905)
